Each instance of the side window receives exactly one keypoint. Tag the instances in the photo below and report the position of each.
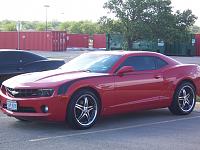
(29, 57)
(160, 63)
(140, 63)
(9, 58)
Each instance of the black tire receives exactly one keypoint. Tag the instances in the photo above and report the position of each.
(184, 99)
(83, 109)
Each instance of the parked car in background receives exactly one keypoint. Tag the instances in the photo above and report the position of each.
(102, 83)
(15, 62)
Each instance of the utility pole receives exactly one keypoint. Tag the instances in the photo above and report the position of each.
(46, 6)
(18, 26)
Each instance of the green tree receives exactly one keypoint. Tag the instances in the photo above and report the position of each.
(149, 19)
(89, 27)
(108, 25)
(26, 25)
(41, 27)
(55, 25)
(195, 29)
(65, 26)
(85, 27)
(7, 25)
(10, 27)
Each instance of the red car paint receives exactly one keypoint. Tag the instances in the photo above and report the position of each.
(138, 90)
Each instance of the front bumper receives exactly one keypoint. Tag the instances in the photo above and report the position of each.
(30, 108)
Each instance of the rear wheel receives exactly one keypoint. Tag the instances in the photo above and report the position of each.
(184, 99)
(83, 110)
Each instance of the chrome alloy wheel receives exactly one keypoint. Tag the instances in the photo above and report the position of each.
(85, 110)
(186, 98)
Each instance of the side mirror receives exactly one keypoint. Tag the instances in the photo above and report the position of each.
(125, 69)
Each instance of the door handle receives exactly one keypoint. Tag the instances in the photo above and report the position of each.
(157, 76)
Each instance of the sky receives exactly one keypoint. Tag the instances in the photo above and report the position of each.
(68, 10)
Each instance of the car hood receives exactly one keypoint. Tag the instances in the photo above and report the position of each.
(46, 79)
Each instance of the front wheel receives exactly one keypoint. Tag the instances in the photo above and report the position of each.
(83, 110)
(184, 99)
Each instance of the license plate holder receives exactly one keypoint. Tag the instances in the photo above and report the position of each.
(11, 105)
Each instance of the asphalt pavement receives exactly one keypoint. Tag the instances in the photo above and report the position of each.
(147, 130)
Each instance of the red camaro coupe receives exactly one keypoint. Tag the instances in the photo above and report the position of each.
(102, 83)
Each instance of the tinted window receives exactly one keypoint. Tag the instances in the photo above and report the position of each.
(9, 58)
(140, 63)
(27, 57)
(160, 63)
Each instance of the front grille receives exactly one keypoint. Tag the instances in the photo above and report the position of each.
(23, 93)
(22, 109)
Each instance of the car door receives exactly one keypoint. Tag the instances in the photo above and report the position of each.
(140, 89)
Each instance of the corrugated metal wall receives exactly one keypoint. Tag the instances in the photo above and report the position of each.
(45, 41)
(8, 40)
(78, 40)
(60, 40)
(182, 48)
(99, 41)
(114, 42)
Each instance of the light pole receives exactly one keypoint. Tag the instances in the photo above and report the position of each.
(46, 6)
(18, 27)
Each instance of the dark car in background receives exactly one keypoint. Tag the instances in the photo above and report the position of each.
(15, 62)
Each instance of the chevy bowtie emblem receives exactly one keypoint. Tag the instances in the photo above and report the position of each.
(14, 92)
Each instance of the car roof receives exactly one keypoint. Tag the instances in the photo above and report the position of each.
(20, 51)
(123, 52)
(136, 53)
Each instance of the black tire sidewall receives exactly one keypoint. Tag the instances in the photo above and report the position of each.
(70, 110)
(176, 103)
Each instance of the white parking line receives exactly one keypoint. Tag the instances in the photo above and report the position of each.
(115, 129)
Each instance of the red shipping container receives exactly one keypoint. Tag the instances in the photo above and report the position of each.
(46, 41)
(99, 41)
(8, 40)
(197, 44)
(59, 40)
(78, 40)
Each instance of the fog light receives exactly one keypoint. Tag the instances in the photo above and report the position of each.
(44, 109)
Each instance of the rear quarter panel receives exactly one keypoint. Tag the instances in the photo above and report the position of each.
(174, 75)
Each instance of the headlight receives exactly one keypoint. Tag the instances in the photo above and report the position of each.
(45, 92)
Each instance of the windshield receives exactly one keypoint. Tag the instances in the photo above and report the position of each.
(100, 63)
